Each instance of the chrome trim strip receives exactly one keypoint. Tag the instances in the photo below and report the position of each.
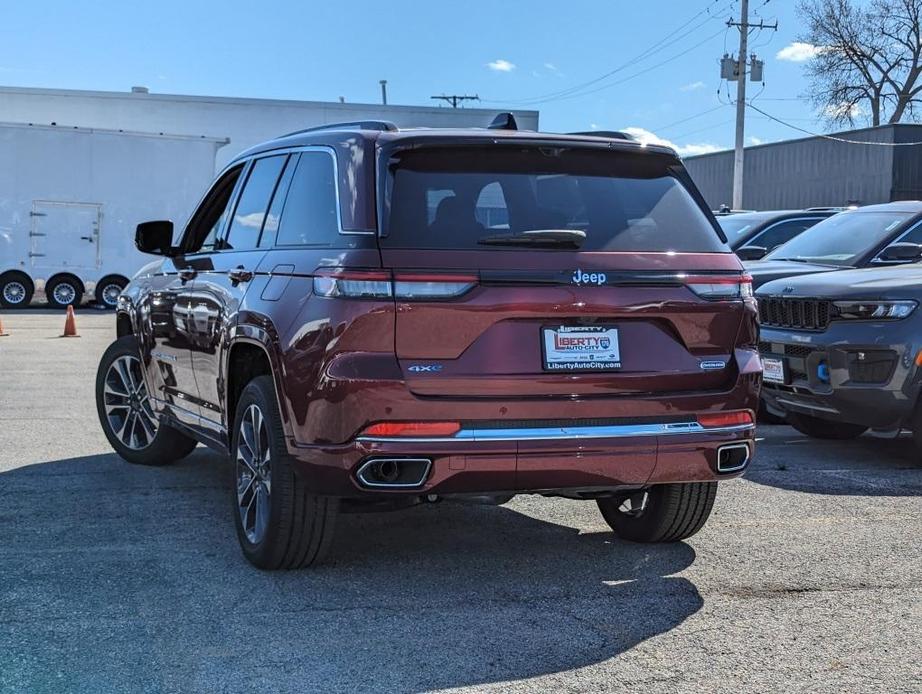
(563, 433)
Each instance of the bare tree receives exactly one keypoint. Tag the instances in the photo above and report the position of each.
(868, 59)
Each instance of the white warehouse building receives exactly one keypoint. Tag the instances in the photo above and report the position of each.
(80, 169)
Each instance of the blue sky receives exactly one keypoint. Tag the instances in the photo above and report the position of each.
(508, 52)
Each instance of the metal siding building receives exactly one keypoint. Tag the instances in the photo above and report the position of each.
(816, 171)
(245, 122)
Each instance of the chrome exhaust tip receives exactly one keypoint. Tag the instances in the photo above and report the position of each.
(732, 458)
(394, 473)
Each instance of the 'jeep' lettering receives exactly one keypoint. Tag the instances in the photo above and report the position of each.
(597, 278)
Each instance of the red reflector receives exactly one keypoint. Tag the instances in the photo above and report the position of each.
(413, 429)
(725, 419)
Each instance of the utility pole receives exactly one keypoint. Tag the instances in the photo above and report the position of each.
(740, 152)
(383, 91)
(737, 70)
(456, 99)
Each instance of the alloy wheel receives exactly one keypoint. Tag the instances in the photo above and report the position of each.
(128, 408)
(254, 479)
(110, 294)
(64, 293)
(14, 292)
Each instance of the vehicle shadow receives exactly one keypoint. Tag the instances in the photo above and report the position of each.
(866, 466)
(116, 577)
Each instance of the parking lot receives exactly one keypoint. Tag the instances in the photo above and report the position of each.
(808, 576)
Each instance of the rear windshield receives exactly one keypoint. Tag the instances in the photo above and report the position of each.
(454, 199)
(842, 239)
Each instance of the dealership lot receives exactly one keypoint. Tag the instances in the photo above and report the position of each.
(808, 575)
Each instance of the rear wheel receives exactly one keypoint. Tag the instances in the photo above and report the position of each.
(64, 291)
(824, 428)
(15, 290)
(124, 410)
(108, 289)
(662, 513)
(280, 523)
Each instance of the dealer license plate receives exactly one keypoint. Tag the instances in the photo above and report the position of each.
(773, 370)
(581, 348)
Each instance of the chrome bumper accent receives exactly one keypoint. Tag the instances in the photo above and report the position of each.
(615, 431)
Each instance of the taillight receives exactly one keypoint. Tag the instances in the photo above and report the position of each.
(725, 419)
(432, 286)
(379, 284)
(353, 283)
(398, 429)
(720, 288)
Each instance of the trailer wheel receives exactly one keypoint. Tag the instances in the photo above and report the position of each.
(62, 291)
(108, 289)
(15, 290)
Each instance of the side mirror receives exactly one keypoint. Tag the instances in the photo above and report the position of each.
(155, 238)
(751, 252)
(901, 252)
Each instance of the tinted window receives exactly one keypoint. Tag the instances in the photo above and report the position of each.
(309, 217)
(843, 239)
(781, 233)
(621, 201)
(250, 213)
(273, 217)
(209, 218)
(737, 226)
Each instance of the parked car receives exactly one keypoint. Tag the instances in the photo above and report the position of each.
(754, 234)
(338, 319)
(876, 235)
(841, 351)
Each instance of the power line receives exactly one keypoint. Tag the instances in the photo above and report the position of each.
(685, 120)
(455, 99)
(647, 53)
(832, 137)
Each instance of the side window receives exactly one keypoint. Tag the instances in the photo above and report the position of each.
(253, 204)
(310, 214)
(781, 233)
(914, 235)
(202, 231)
(274, 215)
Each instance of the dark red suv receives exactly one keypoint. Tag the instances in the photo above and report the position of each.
(364, 317)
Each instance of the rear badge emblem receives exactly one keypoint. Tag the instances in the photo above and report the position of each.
(713, 365)
(597, 278)
(424, 368)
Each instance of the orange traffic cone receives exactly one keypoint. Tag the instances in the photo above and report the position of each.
(3, 333)
(70, 324)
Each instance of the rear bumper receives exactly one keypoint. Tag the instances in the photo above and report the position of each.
(542, 460)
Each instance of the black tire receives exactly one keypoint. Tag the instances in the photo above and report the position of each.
(824, 428)
(673, 512)
(63, 291)
(16, 290)
(298, 527)
(166, 446)
(108, 289)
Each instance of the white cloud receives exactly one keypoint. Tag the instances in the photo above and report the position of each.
(755, 141)
(843, 111)
(594, 126)
(550, 67)
(688, 150)
(501, 65)
(692, 86)
(799, 52)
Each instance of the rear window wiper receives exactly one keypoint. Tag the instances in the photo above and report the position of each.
(537, 237)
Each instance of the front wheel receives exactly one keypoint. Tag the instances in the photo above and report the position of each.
(824, 428)
(64, 291)
(662, 513)
(125, 412)
(280, 523)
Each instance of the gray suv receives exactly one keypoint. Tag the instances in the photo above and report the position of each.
(842, 351)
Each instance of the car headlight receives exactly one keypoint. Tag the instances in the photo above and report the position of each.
(874, 310)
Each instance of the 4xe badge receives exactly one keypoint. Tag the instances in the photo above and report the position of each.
(597, 278)
(425, 368)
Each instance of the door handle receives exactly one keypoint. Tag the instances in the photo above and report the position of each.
(240, 274)
(186, 275)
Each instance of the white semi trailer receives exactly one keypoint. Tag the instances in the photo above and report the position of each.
(70, 199)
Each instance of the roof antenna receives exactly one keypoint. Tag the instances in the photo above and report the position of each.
(504, 121)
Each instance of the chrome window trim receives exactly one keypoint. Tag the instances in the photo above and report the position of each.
(563, 433)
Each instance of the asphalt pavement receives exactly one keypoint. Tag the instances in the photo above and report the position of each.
(114, 577)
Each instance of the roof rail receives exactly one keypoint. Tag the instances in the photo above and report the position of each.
(504, 121)
(383, 125)
(614, 134)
